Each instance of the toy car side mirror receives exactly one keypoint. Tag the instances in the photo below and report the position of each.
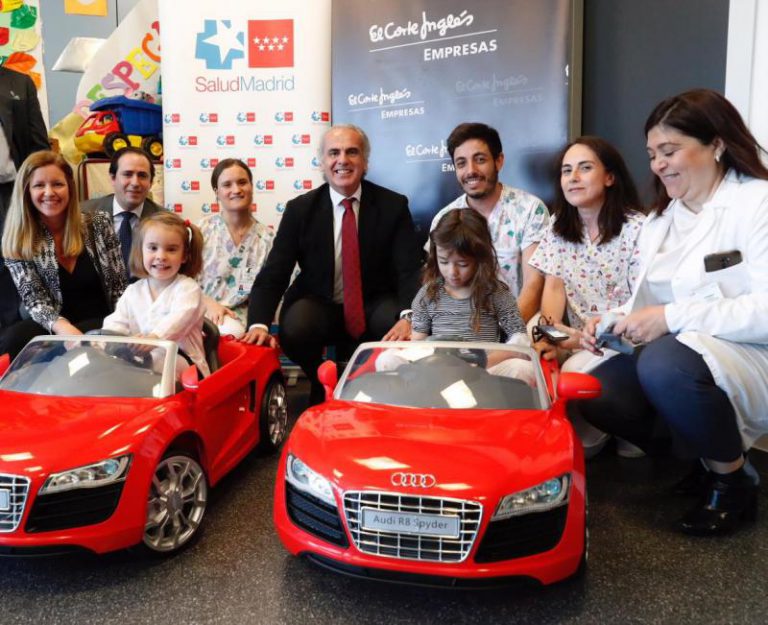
(328, 376)
(189, 379)
(573, 385)
(5, 362)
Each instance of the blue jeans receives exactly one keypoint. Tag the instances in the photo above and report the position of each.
(665, 389)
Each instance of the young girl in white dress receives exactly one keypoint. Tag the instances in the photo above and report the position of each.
(167, 302)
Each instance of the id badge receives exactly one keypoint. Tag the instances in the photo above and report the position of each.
(708, 292)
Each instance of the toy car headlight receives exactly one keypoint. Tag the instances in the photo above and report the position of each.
(89, 476)
(544, 496)
(304, 478)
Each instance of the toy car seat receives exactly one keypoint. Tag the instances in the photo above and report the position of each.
(211, 344)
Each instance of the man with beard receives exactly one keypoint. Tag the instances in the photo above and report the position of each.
(517, 220)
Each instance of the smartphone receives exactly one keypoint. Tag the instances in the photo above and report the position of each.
(722, 260)
(552, 334)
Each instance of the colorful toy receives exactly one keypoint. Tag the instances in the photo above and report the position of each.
(117, 122)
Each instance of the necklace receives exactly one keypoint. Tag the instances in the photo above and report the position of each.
(238, 234)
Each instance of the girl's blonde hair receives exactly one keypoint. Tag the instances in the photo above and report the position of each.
(23, 233)
(190, 234)
(465, 231)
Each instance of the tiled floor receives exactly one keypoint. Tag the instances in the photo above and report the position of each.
(640, 570)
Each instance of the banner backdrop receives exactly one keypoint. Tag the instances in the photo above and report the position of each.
(409, 72)
(248, 80)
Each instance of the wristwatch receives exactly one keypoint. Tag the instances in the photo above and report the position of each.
(407, 315)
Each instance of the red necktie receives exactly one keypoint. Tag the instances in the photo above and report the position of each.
(354, 313)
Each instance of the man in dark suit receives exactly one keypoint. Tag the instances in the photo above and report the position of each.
(358, 256)
(132, 172)
(23, 132)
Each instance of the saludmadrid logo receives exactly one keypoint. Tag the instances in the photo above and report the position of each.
(301, 139)
(261, 140)
(244, 84)
(222, 44)
(208, 163)
(190, 186)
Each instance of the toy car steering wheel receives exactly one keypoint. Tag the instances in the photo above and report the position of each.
(471, 356)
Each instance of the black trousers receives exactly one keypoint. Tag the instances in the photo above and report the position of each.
(665, 389)
(309, 325)
(9, 297)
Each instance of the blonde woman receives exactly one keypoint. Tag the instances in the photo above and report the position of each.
(67, 267)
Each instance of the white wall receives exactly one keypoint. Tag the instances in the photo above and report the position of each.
(746, 74)
(746, 79)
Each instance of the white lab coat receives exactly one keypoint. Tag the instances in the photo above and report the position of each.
(730, 332)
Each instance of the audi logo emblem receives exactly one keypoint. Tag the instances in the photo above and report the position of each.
(414, 480)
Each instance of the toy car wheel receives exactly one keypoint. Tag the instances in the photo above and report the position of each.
(273, 418)
(176, 504)
(153, 146)
(114, 142)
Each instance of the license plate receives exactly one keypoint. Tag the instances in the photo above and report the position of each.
(5, 499)
(410, 523)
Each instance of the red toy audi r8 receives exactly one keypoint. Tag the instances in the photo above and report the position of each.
(443, 463)
(103, 445)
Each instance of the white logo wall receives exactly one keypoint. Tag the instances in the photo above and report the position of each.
(244, 80)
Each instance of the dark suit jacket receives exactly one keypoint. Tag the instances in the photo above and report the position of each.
(25, 132)
(390, 255)
(20, 115)
(104, 205)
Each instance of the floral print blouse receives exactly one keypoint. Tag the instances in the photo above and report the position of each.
(228, 269)
(597, 277)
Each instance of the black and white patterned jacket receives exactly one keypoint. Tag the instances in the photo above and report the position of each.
(37, 280)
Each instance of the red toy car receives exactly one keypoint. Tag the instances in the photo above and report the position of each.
(443, 463)
(102, 448)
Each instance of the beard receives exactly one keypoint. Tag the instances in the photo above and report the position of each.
(483, 192)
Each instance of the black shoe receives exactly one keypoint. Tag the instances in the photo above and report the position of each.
(695, 482)
(729, 500)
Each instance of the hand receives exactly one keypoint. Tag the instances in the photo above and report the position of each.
(588, 339)
(258, 336)
(63, 326)
(217, 312)
(401, 331)
(644, 325)
(142, 348)
(545, 349)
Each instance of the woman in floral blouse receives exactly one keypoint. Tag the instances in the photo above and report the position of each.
(236, 246)
(589, 255)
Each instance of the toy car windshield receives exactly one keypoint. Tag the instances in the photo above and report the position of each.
(452, 375)
(91, 366)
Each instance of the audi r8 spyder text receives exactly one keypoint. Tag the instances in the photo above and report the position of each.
(442, 463)
(102, 446)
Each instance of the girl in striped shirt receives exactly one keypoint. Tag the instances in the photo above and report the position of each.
(462, 295)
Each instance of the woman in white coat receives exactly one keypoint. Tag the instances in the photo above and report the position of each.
(699, 311)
